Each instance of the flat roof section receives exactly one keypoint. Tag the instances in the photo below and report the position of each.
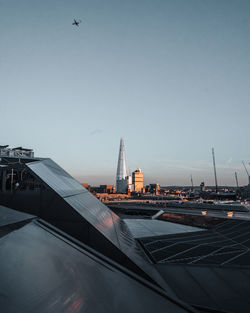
(219, 289)
(227, 244)
(148, 228)
(9, 216)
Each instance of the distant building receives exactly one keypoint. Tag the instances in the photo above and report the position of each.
(87, 186)
(107, 189)
(121, 175)
(137, 179)
(244, 192)
(130, 183)
(5, 151)
(153, 188)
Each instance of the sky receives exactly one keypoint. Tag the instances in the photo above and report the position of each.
(170, 77)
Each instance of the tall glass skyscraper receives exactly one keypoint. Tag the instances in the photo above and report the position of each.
(121, 175)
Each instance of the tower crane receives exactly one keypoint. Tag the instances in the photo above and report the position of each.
(246, 172)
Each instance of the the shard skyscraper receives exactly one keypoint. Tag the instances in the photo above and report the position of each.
(121, 175)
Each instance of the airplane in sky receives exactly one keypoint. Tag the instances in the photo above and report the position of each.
(76, 22)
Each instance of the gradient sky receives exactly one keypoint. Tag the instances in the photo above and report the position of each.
(171, 77)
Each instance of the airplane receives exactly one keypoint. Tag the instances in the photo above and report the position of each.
(76, 22)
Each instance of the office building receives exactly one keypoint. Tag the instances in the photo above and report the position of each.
(121, 175)
(137, 180)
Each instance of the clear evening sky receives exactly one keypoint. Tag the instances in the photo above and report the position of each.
(171, 77)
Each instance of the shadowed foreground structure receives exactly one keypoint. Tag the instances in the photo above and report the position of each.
(44, 271)
(68, 252)
(62, 250)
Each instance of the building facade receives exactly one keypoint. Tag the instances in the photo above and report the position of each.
(121, 174)
(137, 179)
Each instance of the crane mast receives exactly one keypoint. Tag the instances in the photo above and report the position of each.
(236, 178)
(246, 172)
(215, 175)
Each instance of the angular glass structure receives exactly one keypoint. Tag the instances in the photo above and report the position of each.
(65, 251)
(43, 271)
(42, 188)
(66, 204)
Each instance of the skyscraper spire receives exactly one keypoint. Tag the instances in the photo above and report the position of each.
(121, 174)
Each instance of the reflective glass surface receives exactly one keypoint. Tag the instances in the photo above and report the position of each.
(96, 213)
(44, 274)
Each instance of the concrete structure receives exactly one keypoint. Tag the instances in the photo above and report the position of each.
(121, 175)
(5, 151)
(137, 179)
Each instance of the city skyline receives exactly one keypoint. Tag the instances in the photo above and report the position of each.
(203, 172)
(171, 77)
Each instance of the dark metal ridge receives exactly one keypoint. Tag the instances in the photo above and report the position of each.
(208, 309)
